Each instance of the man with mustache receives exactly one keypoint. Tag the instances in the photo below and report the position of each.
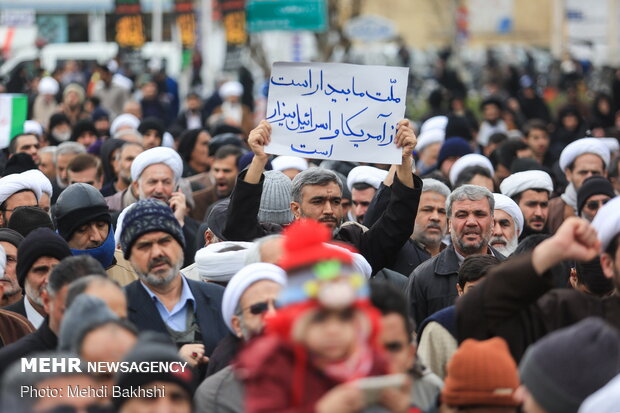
(83, 220)
(317, 194)
(9, 241)
(531, 191)
(470, 214)
(507, 225)
(163, 300)
(156, 173)
(37, 255)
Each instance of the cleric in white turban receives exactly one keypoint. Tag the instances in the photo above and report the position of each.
(522, 181)
(154, 156)
(239, 283)
(212, 263)
(45, 187)
(368, 175)
(124, 121)
(436, 122)
(506, 237)
(607, 224)
(18, 190)
(472, 159)
(582, 146)
(289, 165)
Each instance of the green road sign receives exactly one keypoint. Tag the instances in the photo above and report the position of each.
(265, 15)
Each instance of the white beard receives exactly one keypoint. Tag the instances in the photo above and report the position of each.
(509, 248)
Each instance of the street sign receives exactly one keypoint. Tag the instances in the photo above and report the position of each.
(265, 15)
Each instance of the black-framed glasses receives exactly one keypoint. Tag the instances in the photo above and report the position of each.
(260, 307)
(594, 205)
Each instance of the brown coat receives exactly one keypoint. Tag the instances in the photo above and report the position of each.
(558, 212)
(13, 327)
(515, 303)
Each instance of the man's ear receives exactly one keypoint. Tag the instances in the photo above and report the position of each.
(296, 209)
(607, 264)
(47, 300)
(459, 290)
(236, 325)
(568, 174)
(134, 186)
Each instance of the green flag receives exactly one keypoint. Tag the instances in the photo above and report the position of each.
(13, 112)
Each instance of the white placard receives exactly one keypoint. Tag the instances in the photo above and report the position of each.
(336, 111)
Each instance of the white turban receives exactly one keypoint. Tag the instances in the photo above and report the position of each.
(472, 159)
(436, 122)
(522, 181)
(607, 222)
(581, 147)
(37, 177)
(232, 88)
(612, 144)
(366, 174)
(125, 119)
(34, 127)
(48, 86)
(360, 264)
(213, 265)
(511, 208)
(284, 162)
(242, 280)
(122, 81)
(154, 156)
(13, 183)
(2, 261)
(430, 137)
(167, 140)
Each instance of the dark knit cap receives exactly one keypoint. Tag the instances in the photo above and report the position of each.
(222, 140)
(152, 123)
(149, 215)
(11, 236)
(25, 219)
(42, 242)
(148, 351)
(77, 205)
(594, 185)
(82, 126)
(453, 147)
(58, 119)
(99, 113)
(18, 163)
(459, 126)
(563, 368)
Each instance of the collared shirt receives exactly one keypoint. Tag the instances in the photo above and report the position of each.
(176, 319)
(33, 315)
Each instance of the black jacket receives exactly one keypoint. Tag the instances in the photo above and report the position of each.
(208, 297)
(432, 286)
(43, 339)
(379, 244)
(410, 255)
(18, 307)
(515, 303)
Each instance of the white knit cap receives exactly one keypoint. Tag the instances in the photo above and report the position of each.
(511, 208)
(48, 86)
(232, 88)
(284, 162)
(366, 174)
(582, 146)
(214, 265)
(125, 119)
(154, 156)
(522, 181)
(472, 159)
(607, 222)
(436, 122)
(430, 137)
(275, 201)
(243, 279)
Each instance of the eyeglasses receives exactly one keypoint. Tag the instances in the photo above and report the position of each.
(594, 205)
(261, 307)
(393, 346)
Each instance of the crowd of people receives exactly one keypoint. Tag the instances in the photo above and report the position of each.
(479, 274)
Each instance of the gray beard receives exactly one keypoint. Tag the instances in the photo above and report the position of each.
(509, 248)
(35, 296)
(159, 281)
